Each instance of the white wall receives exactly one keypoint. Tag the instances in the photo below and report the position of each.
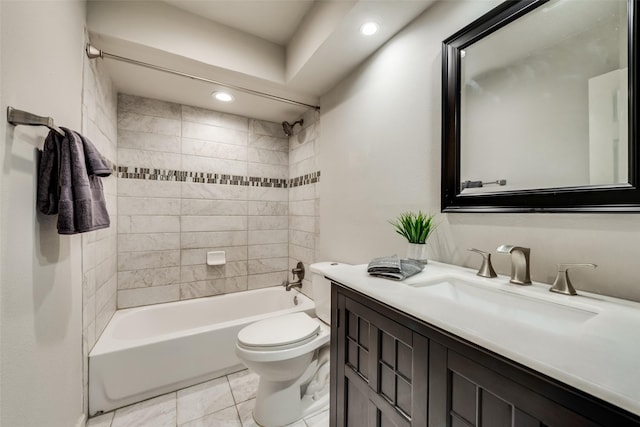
(3, 234)
(380, 155)
(40, 316)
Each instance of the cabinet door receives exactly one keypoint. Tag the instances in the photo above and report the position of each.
(475, 396)
(380, 371)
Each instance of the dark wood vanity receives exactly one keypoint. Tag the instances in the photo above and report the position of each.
(391, 369)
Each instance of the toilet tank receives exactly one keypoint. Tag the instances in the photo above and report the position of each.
(321, 289)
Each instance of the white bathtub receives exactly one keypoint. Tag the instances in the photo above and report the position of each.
(152, 350)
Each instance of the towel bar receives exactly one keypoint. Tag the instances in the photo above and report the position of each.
(19, 117)
(477, 184)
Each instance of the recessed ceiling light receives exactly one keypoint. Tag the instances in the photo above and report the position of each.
(223, 96)
(369, 28)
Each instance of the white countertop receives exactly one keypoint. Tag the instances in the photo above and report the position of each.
(600, 355)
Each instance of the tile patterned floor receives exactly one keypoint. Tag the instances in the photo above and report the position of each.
(223, 402)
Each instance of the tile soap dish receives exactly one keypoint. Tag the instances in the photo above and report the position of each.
(216, 258)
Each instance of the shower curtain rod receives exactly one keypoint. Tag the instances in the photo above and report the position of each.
(93, 52)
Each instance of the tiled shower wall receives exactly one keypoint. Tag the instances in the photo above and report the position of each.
(190, 181)
(99, 253)
(304, 194)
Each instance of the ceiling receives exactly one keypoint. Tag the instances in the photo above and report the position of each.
(272, 20)
(293, 49)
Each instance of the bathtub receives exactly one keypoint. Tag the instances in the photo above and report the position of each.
(148, 351)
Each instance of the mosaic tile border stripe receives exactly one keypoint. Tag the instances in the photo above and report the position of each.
(310, 178)
(127, 172)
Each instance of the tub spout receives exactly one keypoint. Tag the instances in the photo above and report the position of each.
(289, 285)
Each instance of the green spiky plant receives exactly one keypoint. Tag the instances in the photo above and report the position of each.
(415, 227)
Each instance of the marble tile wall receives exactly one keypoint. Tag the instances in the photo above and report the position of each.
(192, 180)
(99, 253)
(304, 194)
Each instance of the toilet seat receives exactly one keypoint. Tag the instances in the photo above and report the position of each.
(299, 347)
(279, 333)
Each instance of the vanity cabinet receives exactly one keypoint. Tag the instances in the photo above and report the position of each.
(391, 369)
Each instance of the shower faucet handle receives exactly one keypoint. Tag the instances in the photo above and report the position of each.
(486, 269)
(298, 271)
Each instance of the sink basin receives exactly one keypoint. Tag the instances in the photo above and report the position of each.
(511, 306)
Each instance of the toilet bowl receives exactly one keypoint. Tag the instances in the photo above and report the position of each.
(290, 354)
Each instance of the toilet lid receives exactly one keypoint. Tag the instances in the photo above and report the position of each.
(279, 331)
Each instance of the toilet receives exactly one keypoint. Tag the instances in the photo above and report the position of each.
(290, 354)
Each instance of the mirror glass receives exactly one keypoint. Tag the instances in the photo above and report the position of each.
(544, 100)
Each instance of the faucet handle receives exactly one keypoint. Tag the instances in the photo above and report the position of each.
(562, 284)
(298, 271)
(486, 269)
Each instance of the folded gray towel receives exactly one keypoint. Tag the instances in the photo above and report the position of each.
(69, 183)
(392, 267)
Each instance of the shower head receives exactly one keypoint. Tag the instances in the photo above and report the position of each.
(288, 127)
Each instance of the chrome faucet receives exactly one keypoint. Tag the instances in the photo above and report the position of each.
(298, 275)
(519, 263)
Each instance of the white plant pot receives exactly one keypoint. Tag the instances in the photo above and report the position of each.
(417, 252)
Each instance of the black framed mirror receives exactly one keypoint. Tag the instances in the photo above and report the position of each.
(539, 109)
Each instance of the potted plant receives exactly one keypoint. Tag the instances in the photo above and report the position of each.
(416, 228)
